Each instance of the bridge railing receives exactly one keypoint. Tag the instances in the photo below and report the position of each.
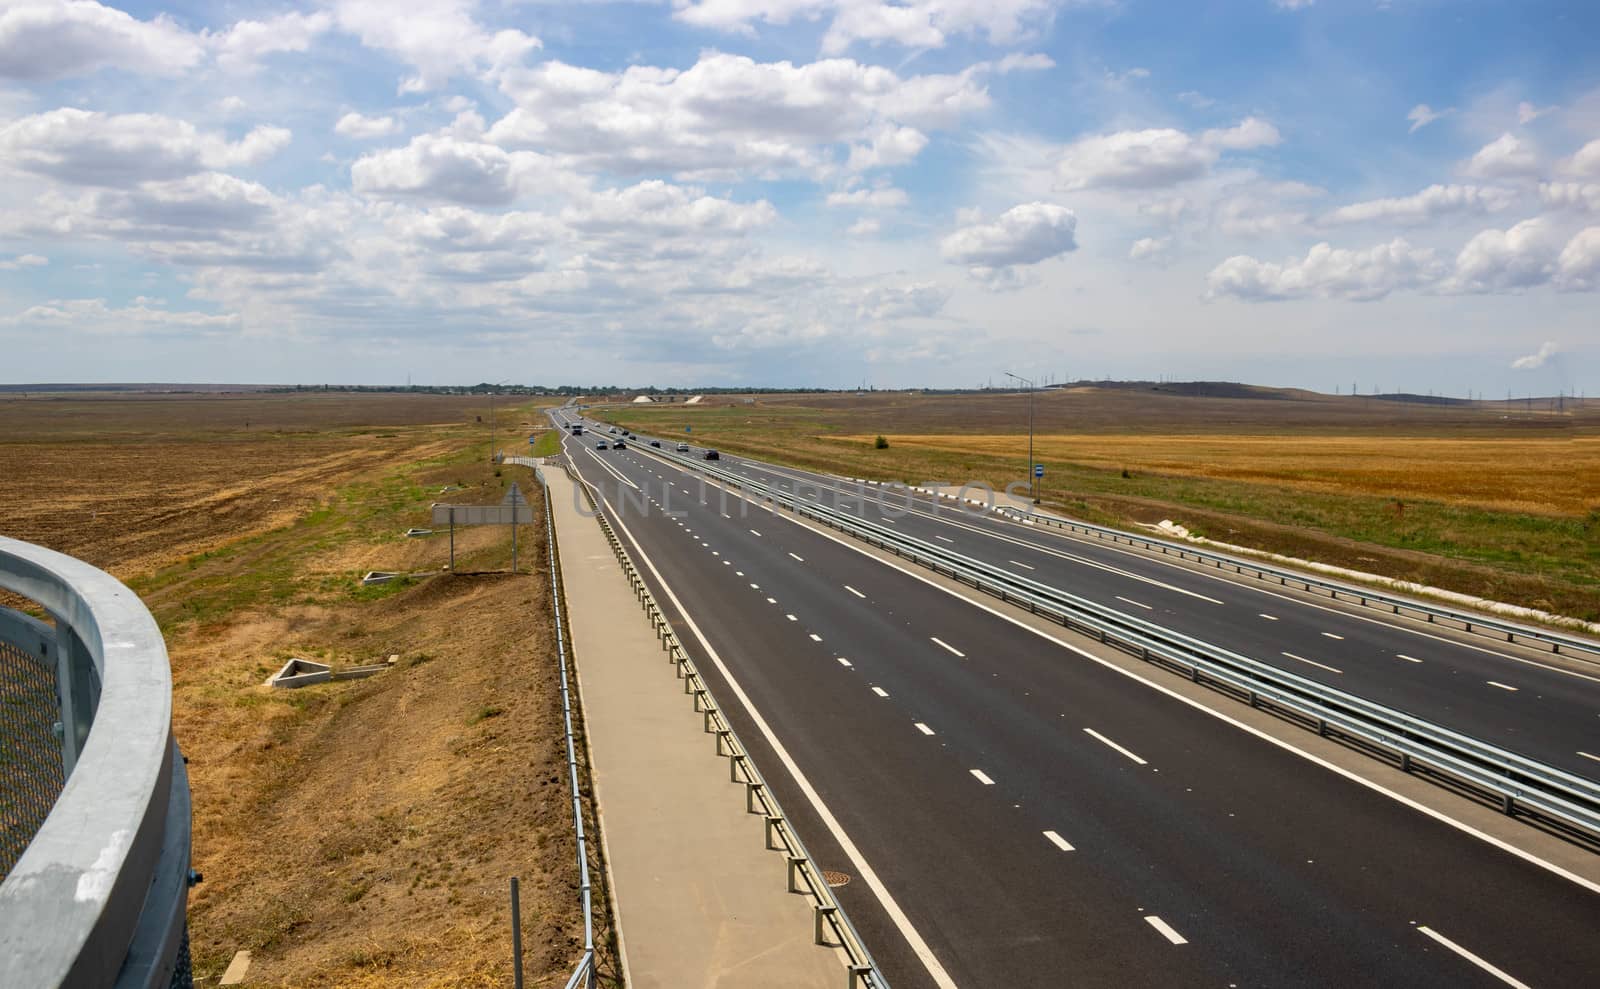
(94, 798)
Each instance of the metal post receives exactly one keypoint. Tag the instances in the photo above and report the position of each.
(513, 537)
(516, 936)
(452, 539)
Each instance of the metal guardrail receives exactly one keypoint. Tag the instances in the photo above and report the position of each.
(804, 874)
(1366, 597)
(91, 780)
(584, 972)
(1520, 784)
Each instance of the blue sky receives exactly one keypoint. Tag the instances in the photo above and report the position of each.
(1401, 194)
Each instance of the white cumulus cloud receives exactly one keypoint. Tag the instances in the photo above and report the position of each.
(911, 23)
(24, 261)
(51, 40)
(439, 39)
(1506, 157)
(1431, 203)
(87, 147)
(243, 44)
(364, 128)
(1327, 272)
(1156, 157)
(1422, 115)
(1536, 359)
(1149, 248)
(1022, 235)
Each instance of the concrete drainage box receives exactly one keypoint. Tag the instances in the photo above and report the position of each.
(305, 672)
(300, 673)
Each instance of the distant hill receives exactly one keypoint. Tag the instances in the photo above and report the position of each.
(48, 388)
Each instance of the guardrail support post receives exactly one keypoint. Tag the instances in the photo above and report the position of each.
(794, 863)
(821, 913)
(773, 821)
(750, 791)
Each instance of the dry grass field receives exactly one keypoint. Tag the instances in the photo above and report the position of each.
(359, 833)
(1494, 499)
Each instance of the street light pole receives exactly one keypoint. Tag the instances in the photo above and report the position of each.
(1033, 479)
(497, 384)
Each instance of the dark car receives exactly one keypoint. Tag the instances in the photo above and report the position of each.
(602, 445)
(656, 444)
(713, 455)
(619, 445)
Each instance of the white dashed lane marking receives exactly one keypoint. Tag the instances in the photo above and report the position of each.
(1136, 604)
(1058, 841)
(1022, 565)
(982, 777)
(1312, 662)
(815, 637)
(799, 559)
(947, 646)
(852, 590)
(1332, 636)
(1106, 741)
(843, 661)
(1270, 618)
(1502, 686)
(884, 693)
(1166, 929)
(1409, 659)
(924, 728)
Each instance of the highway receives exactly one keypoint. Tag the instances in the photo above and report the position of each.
(1015, 813)
(1520, 698)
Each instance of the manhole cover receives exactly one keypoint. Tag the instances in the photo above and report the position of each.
(835, 879)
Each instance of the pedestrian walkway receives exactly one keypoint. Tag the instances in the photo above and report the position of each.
(700, 901)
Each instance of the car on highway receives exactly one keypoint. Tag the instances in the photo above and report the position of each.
(683, 448)
(619, 444)
(713, 455)
(602, 445)
(656, 444)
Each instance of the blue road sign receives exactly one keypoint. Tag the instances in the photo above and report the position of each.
(688, 429)
(1038, 470)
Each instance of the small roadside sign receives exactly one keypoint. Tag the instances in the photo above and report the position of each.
(1038, 470)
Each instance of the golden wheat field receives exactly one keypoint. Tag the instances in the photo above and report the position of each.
(1545, 475)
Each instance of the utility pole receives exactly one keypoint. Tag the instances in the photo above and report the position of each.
(1033, 479)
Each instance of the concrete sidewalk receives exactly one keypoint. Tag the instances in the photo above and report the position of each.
(700, 901)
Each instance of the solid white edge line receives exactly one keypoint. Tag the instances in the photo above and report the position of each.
(1287, 746)
(982, 777)
(947, 646)
(896, 915)
(852, 590)
(1474, 959)
(1114, 745)
(1058, 841)
(1165, 929)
